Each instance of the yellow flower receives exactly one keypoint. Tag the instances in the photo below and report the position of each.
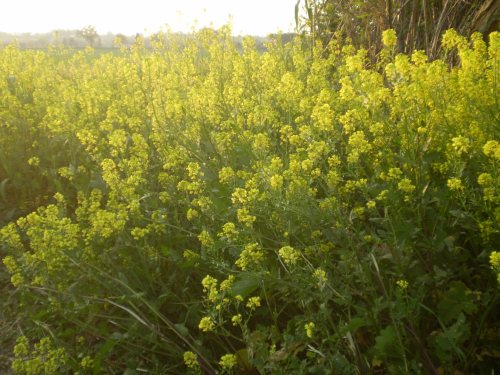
(460, 144)
(322, 116)
(236, 319)
(138, 233)
(229, 231)
(492, 149)
(320, 275)
(334, 161)
(455, 184)
(210, 287)
(485, 179)
(205, 239)
(208, 283)
(289, 255)
(192, 214)
(228, 361)
(244, 216)
(194, 171)
(34, 161)
(358, 142)
(261, 143)
(251, 255)
(310, 327)
(450, 39)
(190, 256)
(87, 362)
(206, 324)
(276, 182)
(419, 58)
(495, 260)
(191, 360)
(227, 284)
(359, 211)
(276, 164)
(226, 175)
(395, 173)
(17, 279)
(253, 303)
(389, 38)
(11, 264)
(239, 196)
(406, 185)
(307, 165)
(403, 284)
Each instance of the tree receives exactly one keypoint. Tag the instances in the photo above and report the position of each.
(90, 35)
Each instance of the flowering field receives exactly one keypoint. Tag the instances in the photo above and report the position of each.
(201, 209)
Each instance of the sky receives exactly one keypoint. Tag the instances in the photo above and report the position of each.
(248, 17)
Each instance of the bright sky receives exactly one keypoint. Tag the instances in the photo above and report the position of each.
(252, 17)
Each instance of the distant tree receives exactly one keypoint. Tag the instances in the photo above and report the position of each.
(90, 35)
(70, 42)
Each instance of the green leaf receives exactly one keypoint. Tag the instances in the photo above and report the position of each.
(448, 342)
(103, 353)
(244, 359)
(386, 343)
(245, 285)
(182, 329)
(456, 300)
(356, 323)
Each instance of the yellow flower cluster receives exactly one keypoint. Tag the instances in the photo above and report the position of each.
(228, 361)
(310, 328)
(406, 186)
(229, 231)
(489, 186)
(210, 287)
(495, 259)
(455, 184)
(403, 284)
(461, 145)
(492, 149)
(236, 319)
(389, 38)
(495, 263)
(205, 239)
(44, 358)
(244, 216)
(289, 255)
(226, 175)
(191, 360)
(250, 256)
(206, 324)
(253, 303)
(321, 277)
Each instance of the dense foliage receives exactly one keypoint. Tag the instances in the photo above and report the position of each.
(198, 209)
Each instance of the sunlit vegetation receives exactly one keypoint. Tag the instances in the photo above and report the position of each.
(195, 208)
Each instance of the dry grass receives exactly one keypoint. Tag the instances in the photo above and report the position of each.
(418, 23)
